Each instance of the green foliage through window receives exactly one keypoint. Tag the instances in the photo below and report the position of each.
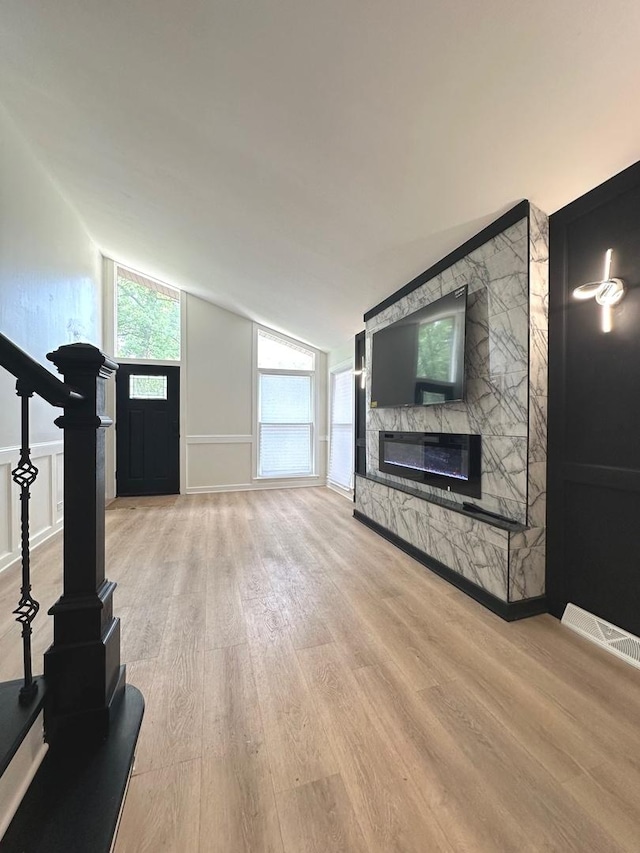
(148, 320)
(435, 349)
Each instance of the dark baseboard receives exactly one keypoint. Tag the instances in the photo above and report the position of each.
(74, 802)
(509, 611)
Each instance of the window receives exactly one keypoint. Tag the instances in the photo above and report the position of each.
(435, 349)
(147, 387)
(437, 360)
(286, 387)
(147, 318)
(341, 437)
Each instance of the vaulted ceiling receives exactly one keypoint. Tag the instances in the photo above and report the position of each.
(297, 161)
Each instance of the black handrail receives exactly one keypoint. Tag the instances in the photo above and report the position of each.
(33, 377)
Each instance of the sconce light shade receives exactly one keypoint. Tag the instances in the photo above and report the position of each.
(610, 292)
(361, 373)
(587, 291)
(607, 292)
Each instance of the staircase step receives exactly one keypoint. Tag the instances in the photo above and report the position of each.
(16, 720)
(74, 802)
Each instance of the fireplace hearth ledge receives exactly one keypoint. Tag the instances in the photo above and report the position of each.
(454, 506)
(510, 611)
(501, 561)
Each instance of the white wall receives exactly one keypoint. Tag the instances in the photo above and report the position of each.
(219, 377)
(219, 400)
(340, 354)
(50, 294)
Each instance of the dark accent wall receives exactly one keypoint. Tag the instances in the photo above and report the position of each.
(593, 524)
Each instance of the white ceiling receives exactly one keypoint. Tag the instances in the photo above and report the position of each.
(298, 161)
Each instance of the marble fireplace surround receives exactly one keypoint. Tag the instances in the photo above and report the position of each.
(506, 270)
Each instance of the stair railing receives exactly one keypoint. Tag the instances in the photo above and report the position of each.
(82, 667)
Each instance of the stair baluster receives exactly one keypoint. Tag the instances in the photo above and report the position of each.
(24, 476)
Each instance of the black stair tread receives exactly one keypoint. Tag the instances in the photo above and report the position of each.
(15, 719)
(74, 801)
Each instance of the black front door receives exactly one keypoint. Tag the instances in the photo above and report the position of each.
(147, 424)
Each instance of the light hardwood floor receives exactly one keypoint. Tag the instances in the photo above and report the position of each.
(311, 689)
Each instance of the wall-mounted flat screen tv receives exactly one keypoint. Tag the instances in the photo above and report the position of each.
(419, 360)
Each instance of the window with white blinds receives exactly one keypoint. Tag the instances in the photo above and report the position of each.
(285, 407)
(341, 436)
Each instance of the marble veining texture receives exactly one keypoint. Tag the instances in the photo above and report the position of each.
(504, 472)
(494, 406)
(539, 269)
(372, 500)
(477, 335)
(505, 402)
(373, 448)
(508, 337)
(526, 573)
(538, 354)
(477, 551)
(527, 563)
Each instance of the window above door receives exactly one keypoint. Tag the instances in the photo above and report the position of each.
(147, 318)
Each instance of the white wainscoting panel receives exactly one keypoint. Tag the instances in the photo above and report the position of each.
(223, 463)
(219, 439)
(218, 461)
(59, 491)
(41, 517)
(6, 525)
(46, 498)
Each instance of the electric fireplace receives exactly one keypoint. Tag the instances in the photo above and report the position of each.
(449, 461)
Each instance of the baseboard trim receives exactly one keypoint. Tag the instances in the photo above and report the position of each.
(510, 611)
(346, 493)
(251, 487)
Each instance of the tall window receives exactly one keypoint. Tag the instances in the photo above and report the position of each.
(341, 437)
(148, 318)
(286, 374)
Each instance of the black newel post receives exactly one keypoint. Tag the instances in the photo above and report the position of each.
(82, 667)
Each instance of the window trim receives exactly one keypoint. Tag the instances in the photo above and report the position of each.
(315, 407)
(346, 366)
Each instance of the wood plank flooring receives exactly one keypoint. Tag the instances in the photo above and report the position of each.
(311, 689)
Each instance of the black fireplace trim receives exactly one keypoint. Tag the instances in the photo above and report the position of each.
(510, 611)
(471, 487)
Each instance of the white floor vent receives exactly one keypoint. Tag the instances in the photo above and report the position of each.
(603, 633)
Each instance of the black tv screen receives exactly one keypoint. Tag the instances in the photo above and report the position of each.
(419, 360)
